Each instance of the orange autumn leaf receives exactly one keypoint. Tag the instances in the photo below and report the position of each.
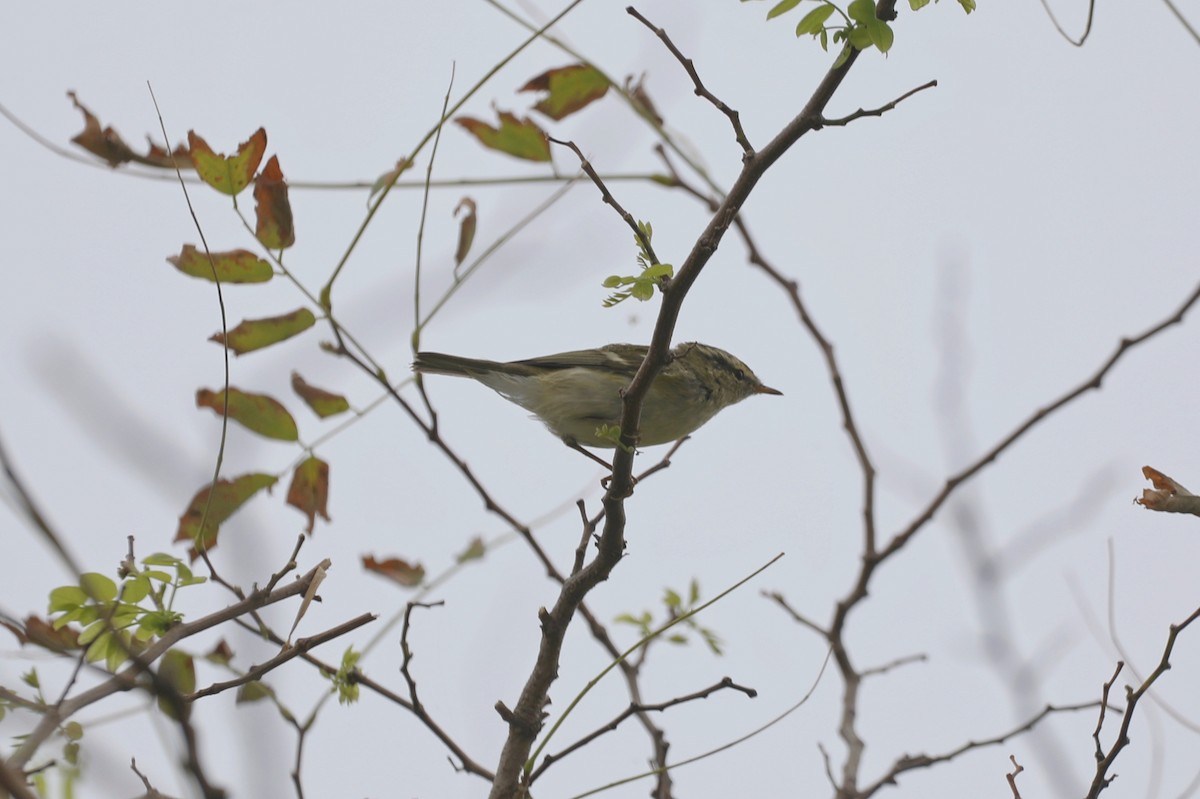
(309, 491)
(398, 571)
(228, 174)
(227, 497)
(273, 213)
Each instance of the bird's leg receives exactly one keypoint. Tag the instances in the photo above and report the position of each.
(575, 446)
(591, 455)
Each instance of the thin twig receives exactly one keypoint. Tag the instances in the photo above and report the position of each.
(700, 90)
(1087, 28)
(1132, 697)
(299, 647)
(911, 762)
(632, 710)
(609, 199)
(877, 112)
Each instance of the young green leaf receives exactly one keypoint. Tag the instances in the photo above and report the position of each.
(814, 21)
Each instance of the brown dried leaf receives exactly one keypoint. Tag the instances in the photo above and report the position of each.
(398, 571)
(466, 229)
(108, 145)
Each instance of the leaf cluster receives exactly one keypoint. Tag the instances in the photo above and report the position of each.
(121, 620)
(676, 606)
(641, 286)
(858, 28)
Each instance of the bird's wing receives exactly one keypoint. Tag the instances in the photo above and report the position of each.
(618, 358)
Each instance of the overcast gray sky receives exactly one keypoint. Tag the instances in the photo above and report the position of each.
(973, 255)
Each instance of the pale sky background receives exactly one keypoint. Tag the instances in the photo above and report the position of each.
(973, 255)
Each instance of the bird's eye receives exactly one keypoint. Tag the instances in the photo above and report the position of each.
(740, 374)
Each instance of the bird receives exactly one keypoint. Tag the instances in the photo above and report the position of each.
(576, 393)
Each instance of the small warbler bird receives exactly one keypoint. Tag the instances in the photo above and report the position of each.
(574, 393)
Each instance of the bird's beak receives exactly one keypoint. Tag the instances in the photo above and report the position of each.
(768, 390)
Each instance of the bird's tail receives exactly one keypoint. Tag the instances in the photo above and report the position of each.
(437, 363)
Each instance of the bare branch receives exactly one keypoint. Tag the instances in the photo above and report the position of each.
(633, 710)
(700, 90)
(1012, 776)
(877, 112)
(910, 762)
(300, 647)
(1092, 383)
(1105, 760)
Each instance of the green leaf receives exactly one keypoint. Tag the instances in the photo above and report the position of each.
(258, 412)
(254, 334)
(967, 5)
(98, 587)
(568, 88)
(228, 174)
(861, 11)
(323, 403)
(881, 35)
(253, 691)
(859, 37)
(234, 266)
(73, 730)
(474, 551)
(519, 138)
(66, 597)
(782, 7)
(161, 559)
(178, 670)
(135, 589)
(917, 5)
(93, 631)
(814, 21)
